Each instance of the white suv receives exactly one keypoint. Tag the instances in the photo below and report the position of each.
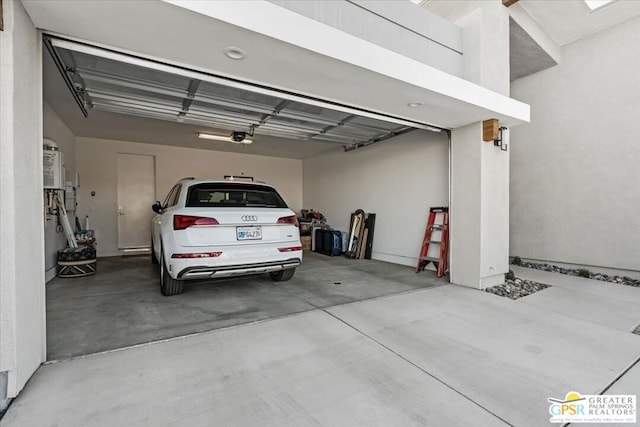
(220, 228)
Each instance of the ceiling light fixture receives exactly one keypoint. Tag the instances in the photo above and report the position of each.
(415, 104)
(235, 53)
(234, 137)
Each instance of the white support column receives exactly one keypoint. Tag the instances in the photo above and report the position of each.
(479, 170)
(22, 295)
(479, 209)
(485, 35)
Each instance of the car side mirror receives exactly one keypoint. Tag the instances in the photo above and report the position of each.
(157, 207)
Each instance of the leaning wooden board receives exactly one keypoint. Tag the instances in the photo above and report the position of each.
(363, 243)
(355, 233)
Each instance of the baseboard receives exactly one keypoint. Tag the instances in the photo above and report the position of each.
(105, 254)
(121, 252)
(4, 400)
(50, 274)
(394, 259)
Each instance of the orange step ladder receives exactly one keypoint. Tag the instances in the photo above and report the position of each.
(441, 263)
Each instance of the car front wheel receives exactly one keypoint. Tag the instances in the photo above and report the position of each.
(168, 285)
(282, 275)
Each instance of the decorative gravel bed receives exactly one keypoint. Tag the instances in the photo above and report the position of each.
(623, 280)
(516, 288)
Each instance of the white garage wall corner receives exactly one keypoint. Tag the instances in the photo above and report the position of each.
(574, 168)
(54, 128)
(96, 161)
(22, 302)
(398, 180)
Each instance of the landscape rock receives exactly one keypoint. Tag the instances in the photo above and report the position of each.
(622, 280)
(516, 288)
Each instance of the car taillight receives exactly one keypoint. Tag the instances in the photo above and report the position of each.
(180, 222)
(289, 220)
(290, 249)
(197, 255)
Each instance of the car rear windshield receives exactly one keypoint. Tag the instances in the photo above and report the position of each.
(233, 195)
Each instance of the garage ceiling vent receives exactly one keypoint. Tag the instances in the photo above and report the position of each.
(106, 80)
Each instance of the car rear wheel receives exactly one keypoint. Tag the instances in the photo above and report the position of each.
(282, 275)
(154, 258)
(168, 285)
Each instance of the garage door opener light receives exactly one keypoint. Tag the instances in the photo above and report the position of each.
(234, 137)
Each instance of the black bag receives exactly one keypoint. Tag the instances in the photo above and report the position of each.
(319, 240)
(327, 242)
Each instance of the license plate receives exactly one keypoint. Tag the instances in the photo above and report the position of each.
(249, 233)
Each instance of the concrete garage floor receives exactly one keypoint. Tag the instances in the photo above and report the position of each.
(441, 356)
(122, 306)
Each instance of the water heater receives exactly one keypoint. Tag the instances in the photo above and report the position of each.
(52, 166)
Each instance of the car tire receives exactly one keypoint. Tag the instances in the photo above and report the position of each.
(154, 258)
(168, 285)
(282, 275)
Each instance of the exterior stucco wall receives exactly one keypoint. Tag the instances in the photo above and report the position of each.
(400, 26)
(574, 168)
(22, 313)
(479, 209)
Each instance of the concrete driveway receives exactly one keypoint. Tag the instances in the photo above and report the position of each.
(444, 356)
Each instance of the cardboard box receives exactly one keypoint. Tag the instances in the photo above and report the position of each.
(306, 243)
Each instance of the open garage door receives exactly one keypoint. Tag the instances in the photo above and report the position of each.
(105, 80)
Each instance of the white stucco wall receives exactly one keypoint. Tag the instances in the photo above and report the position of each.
(55, 129)
(466, 206)
(402, 27)
(22, 321)
(485, 35)
(575, 177)
(479, 209)
(96, 161)
(480, 170)
(494, 260)
(398, 180)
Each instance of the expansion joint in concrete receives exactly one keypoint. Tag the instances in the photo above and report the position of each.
(418, 367)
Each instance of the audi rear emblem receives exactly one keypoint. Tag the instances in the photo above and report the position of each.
(249, 218)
